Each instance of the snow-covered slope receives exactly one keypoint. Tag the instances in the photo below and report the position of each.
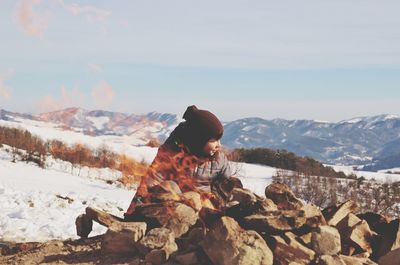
(32, 204)
(130, 146)
(42, 204)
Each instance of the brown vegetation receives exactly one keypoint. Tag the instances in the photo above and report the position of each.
(285, 160)
(31, 148)
(370, 196)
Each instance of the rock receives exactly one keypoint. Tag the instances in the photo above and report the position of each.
(330, 260)
(389, 237)
(326, 241)
(120, 238)
(157, 245)
(363, 255)
(345, 227)
(347, 223)
(223, 187)
(306, 239)
(374, 220)
(177, 217)
(350, 260)
(209, 216)
(265, 204)
(102, 217)
(313, 215)
(243, 196)
(275, 221)
(189, 258)
(156, 257)
(83, 225)
(80, 251)
(283, 197)
(15, 248)
(362, 236)
(333, 215)
(196, 235)
(239, 210)
(160, 197)
(391, 258)
(287, 249)
(192, 199)
(228, 244)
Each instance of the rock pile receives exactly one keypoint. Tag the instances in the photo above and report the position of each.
(275, 229)
(251, 230)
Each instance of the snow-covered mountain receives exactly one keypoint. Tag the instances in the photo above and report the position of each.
(99, 122)
(354, 141)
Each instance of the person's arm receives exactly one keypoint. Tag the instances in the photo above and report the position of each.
(226, 168)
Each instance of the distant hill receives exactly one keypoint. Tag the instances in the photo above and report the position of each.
(354, 141)
(357, 141)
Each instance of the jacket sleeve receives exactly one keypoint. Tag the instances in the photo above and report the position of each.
(225, 165)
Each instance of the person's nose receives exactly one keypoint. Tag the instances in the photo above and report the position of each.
(218, 144)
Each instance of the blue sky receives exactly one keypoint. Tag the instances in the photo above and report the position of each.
(311, 59)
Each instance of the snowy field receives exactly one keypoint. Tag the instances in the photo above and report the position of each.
(381, 176)
(255, 177)
(119, 144)
(34, 201)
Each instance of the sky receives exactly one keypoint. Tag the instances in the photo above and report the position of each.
(290, 59)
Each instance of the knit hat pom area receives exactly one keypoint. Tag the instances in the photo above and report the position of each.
(190, 112)
(203, 123)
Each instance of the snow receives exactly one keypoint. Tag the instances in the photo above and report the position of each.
(248, 128)
(322, 121)
(31, 207)
(391, 117)
(99, 122)
(378, 176)
(355, 120)
(120, 144)
(34, 204)
(395, 169)
(254, 177)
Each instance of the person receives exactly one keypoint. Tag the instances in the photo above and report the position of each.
(191, 159)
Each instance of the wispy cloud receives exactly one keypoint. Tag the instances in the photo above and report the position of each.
(5, 91)
(29, 21)
(95, 68)
(68, 98)
(92, 13)
(103, 94)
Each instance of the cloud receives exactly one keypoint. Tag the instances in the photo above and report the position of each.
(30, 22)
(103, 94)
(4, 89)
(95, 68)
(47, 104)
(92, 13)
(68, 98)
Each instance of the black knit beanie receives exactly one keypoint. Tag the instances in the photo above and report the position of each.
(201, 126)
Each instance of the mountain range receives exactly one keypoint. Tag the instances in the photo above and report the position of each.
(371, 141)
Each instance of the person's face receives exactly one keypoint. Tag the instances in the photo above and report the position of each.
(211, 147)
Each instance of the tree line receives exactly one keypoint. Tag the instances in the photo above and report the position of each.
(283, 159)
(31, 148)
